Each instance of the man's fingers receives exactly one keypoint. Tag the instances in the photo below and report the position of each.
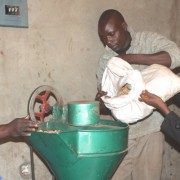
(100, 94)
(28, 129)
(25, 134)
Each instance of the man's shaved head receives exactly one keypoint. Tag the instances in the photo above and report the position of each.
(112, 30)
(111, 13)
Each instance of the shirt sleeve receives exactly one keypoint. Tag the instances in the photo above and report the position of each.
(171, 126)
(161, 43)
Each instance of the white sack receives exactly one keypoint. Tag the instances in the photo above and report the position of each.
(157, 79)
(161, 81)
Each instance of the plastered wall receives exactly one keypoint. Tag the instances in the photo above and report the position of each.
(61, 49)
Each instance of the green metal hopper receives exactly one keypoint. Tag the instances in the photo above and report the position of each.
(73, 151)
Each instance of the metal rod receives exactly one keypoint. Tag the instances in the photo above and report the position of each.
(32, 163)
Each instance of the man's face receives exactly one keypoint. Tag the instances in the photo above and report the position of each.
(114, 34)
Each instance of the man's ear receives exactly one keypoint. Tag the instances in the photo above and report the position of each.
(124, 25)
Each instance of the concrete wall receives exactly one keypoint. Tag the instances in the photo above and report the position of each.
(61, 48)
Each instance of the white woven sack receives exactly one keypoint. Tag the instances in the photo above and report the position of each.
(127, 108)
(161, 81)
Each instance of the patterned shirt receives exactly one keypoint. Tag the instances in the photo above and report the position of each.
(143, 43)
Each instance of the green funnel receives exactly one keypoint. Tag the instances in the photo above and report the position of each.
(76, 144)
(91, 152)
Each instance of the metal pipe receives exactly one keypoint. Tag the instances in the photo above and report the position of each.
(32, 163)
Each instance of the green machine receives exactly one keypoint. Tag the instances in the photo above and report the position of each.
(72, 139)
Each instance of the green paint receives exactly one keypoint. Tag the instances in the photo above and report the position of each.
(92, 151)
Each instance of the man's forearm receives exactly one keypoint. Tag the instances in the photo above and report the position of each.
(3, 131)
(164, 109)
(161, 58)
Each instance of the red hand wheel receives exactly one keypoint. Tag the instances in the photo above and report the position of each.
(41, 101)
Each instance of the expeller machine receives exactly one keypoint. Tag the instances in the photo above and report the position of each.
(72, 139)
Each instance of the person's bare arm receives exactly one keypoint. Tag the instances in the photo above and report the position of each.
(161, 58)
(18, 127)
(155, 101)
